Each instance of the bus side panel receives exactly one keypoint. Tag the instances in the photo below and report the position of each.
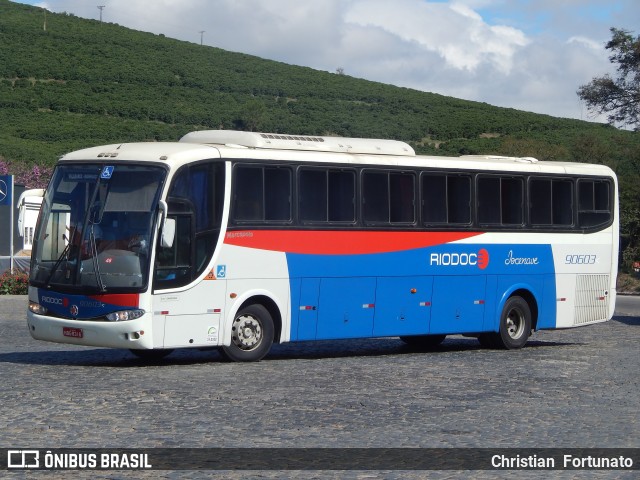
(189, 318)
(458, 304)
(346, 307)
(307, 308)
(547, 307)
(403, 306)
(491, 313)
(470, 283)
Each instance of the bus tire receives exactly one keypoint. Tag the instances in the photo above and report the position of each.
(423, 341)
(515, 324)
(151, 355)
(252, 334)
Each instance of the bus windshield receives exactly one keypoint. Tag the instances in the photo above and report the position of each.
(96, 228)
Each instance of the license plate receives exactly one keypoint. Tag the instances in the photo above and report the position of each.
(72, 332)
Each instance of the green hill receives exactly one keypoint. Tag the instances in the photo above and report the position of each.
(81, 83)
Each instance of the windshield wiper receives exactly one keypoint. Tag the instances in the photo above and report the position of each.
(96, 264)
(63, 255)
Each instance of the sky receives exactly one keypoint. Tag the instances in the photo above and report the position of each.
(525, 54)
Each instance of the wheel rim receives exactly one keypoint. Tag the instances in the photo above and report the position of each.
(515, 323)
(247, 332)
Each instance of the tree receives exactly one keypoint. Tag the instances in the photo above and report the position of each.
(619, 97)
(251, 116)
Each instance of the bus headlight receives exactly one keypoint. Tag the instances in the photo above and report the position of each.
(124, 315)
(37, 308)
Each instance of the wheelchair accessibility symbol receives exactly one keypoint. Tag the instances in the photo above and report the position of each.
(107, 172)
(221, 271)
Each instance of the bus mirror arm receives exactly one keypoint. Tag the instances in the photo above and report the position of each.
(168, 231)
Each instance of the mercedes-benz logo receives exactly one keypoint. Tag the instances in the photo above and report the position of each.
(3, 190)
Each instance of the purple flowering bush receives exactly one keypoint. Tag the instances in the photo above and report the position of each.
(16, 283)
(31, 176)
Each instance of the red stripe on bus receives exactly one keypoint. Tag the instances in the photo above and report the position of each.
(324, 242)
(119, 299)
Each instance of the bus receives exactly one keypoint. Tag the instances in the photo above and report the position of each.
(28, 209)
(238, 240)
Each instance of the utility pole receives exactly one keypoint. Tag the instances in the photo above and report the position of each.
(201, 35)
(101, 7)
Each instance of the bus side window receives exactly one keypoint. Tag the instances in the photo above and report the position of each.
(313, 195)
(342, 196)
(540, 202)
(173, 265)
(500, 200)
(489, 200)
(594, 207)
(277, 191)
(248, 193)
(446, 199)
(388, 197)
(550, 202)
(326, 195)
(375, 201)
(459, 199)
(402, 193)
(262, 194)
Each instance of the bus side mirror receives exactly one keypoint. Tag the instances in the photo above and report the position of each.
(34, 197)
(167, 226)
(168, 233)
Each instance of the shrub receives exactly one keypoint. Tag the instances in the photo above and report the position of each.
(14, 283)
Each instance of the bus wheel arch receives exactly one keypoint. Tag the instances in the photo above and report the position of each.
(530, 298)
(256, 325)
(273, 310)
(518, 318)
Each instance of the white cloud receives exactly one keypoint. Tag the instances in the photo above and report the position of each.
(592, 44)
(454, 31)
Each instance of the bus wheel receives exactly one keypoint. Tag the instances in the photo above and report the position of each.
(251, 335)
(151, 355)
(515, 324)
(423, 340)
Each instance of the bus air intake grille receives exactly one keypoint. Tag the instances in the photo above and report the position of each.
(296, 138)
(592, 298)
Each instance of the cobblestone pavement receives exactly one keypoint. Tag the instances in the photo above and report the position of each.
(570, 388)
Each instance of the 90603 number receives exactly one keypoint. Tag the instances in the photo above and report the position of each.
(581, 259)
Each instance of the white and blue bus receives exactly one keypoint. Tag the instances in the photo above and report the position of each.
(237, 240)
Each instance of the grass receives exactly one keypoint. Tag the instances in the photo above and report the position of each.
(628, 283)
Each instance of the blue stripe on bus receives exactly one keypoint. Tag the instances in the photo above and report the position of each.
(459, 288)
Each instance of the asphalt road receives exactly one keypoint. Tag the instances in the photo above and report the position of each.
(569, 388)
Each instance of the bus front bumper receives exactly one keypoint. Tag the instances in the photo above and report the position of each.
(127, 334)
